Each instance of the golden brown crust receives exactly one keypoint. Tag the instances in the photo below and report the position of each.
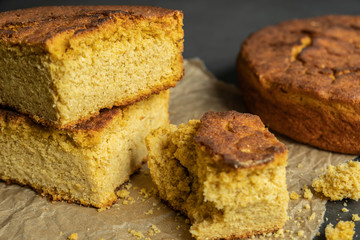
(36, 26)
(96, 123)
(301, 77)
(238, 140)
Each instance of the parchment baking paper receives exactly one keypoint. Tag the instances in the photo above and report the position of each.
(141, 215)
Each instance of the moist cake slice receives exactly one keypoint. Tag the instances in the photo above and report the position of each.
(85, 164)
(226, 172)
(61, 65)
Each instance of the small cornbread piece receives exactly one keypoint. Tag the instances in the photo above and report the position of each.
(61, 65)
(85, 164)
(301, 77)
(344, 230)
(339, 182)
(226, 172)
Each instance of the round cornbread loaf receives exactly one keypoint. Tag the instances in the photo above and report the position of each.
(302, 78)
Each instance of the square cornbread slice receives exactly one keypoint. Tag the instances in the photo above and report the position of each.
(85, 164)
(225, 172)
(61, 65)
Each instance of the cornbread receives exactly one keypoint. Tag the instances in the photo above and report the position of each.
(84, 164)
(340, 182)
(343, 230)
(226, 172)
(61, 65)
(301, 77)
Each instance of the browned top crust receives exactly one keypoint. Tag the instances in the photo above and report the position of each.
(35, 26)
(319, 57)
(240, 140)
(95, 124)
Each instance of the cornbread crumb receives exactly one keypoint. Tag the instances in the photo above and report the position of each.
(123, 193)
(345, 204)
(344, 230)
(312, 216)
(279, 233)
(344, 210)
(149, 212)
(339, 182)
(156, 229)
(101, 209)
(137, 234)
(73, 236)
(355, 217)
(128, 186)
(299, 165)
(301, 233)
(307, 192)
(294, 196)
(307, 206)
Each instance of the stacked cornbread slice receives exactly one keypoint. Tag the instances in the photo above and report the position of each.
(80, 88)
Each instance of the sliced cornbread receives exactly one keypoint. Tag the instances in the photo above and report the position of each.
(85, 164)
(61, 65)
(226, 172)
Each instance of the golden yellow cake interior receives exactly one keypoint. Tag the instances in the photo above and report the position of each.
(61, 65)
(343, 230)
(85, 164)
(340, 182)
(225, 172)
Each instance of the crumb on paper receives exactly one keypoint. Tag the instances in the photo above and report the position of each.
(355, 217)
(345, 204)
(307, 206)
(128, 185)
(307, 192)
(301, 233)
(137, 234)
(73, 236)
(123, 193)
(279, 233)
(294, 196)
(149, 212)
(155, 228)
(344, 230)
(312, 216)
(299, 165)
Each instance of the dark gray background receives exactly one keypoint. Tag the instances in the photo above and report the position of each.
(214, 31)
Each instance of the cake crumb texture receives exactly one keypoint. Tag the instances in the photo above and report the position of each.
(62, 65)
(343, 230)
(73, 236)
(223, 197)
(340, 182)
(86, 164)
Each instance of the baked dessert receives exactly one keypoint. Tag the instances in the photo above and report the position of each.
(225, 172)
(301, 77)
(84, 164)
(61, 65)
(343, 230)
(340, 182)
